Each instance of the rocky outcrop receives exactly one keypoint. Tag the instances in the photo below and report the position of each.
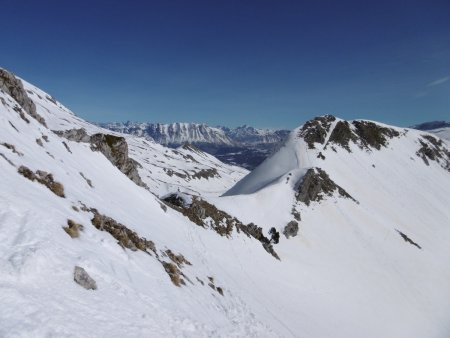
(408, 240)
(291, 229)
(365, 134)
(14, 88)
(77, 135)
(207, 215)
(433, 149)
(81, 277)
(115, 149)
(43, 178)
(316, 130)
(373, 135)
(315, 185)
(206, 174)
(342, 135)
(124, 236)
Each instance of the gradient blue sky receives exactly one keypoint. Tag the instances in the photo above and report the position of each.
(262, 63)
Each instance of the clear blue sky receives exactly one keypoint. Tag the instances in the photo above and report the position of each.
(263, 63)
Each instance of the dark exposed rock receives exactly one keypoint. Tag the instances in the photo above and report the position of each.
(315, 185)
(408, 240)
(174, 273)
(14, 127)
(82, 278)
(315, 131)
(373, 135)
(67, 147)
(7, 159)
(115, 149)
(14, 87)
(125, 237)
(207, 215)
(12, 148)
(179, 259)
(39, 142)
(291, 229)
(88, 181)
(77, 135)
(73, 229)
(342, 135)
(433, 149)
(206, 173)
(43, 178)
(171, 172)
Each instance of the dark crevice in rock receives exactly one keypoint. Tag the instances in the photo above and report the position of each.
(315, 185)
(14, 88)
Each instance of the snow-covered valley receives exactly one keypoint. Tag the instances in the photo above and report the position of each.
(178, 242)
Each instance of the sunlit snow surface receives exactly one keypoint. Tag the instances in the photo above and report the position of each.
(347, 274)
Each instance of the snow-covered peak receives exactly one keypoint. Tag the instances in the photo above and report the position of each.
(311, 144)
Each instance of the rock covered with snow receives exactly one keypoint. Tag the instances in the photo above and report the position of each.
(82, 278)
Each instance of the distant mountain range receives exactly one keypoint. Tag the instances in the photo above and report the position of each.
(440, 128)
(245, 146)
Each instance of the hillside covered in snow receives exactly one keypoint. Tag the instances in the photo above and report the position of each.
(343, 232)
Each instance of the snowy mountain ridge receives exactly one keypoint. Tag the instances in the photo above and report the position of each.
(342, 232)
(176, 134)
(440, 128)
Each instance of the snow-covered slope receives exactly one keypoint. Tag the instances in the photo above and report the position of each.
(184, 268)
(371, 203)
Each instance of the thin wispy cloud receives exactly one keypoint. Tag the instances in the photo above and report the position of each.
(438, 81)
